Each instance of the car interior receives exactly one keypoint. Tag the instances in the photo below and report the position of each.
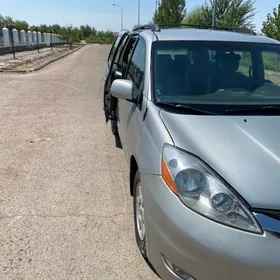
(195, 73)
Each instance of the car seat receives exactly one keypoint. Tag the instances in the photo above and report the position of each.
(200, 73)
(227, 75)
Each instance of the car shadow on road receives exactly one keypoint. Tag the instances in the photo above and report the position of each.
(118, 142)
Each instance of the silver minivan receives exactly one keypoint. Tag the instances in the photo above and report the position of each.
(197, 112)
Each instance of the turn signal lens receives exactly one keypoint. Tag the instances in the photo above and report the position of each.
(174, 269)
(167, 177)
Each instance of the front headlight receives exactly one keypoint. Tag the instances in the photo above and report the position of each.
(200, 189)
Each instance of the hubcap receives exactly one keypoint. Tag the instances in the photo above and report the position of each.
(139, 207)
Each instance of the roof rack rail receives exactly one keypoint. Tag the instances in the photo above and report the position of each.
(153, 27)
(233, 29)
(158, 27)
(242, 30)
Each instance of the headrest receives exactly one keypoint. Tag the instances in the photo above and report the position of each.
(200, 56)
(229, 62)
(163, 57)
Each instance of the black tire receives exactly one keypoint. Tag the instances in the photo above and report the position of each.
(114, 127)
(140, 243)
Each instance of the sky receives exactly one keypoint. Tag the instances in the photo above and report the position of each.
(101, 14)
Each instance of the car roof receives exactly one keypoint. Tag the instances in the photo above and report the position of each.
(192, 34)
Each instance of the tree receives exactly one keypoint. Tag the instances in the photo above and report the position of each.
(194, 16)
(230, 13)
(67, 34)
(77, 34)
(44, 28)
(170, 11)
(32, 27)
(271, 27)
(56, 28)
(21, 25)
(86, 31)
(93, 31)
(6, 21)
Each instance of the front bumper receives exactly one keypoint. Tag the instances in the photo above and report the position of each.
(201, 247)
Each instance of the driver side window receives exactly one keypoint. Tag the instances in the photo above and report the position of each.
(113, 50)
(126, 55)
(136, 68)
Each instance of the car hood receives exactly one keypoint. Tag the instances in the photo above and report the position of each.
(245, 151)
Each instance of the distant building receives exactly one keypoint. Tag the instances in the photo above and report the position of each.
(115, 34)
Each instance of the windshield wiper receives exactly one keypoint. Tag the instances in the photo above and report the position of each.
(263, 109)
(184, 108)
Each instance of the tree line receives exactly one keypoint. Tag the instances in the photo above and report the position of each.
(69, 33)
(229, 13)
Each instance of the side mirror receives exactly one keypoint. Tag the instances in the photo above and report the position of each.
(122, 89)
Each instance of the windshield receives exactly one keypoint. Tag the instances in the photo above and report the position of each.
(220, 73)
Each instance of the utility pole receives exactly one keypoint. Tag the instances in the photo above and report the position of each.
(51, 40)
(37, 37)
(156, 6)
(121, 14)
(12, 40)
(139, 7)
(214, 13)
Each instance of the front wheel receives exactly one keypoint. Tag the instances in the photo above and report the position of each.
(139, 219)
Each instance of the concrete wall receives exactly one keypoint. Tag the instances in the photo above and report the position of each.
(29, 38)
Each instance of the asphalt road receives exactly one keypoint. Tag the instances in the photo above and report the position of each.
(65, 209)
